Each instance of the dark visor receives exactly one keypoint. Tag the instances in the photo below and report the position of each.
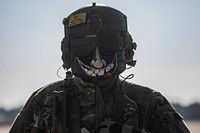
(108, 43)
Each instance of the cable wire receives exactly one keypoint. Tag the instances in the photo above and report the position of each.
(130, 76)
(57, 72)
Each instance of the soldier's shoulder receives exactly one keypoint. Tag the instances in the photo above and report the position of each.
(136, 88)
(49, 88)
(142, 94)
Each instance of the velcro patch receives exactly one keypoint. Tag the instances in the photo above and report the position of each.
(77, 19)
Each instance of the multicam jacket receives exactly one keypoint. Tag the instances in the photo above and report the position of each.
(111, 106)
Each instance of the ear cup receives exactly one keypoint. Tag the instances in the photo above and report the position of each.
(65, 53)
(129, 51)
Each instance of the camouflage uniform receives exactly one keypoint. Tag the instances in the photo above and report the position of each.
(145, 109)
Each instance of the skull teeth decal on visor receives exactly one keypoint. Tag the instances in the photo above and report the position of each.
(96, 72)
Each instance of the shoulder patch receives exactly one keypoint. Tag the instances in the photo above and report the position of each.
(77, 19)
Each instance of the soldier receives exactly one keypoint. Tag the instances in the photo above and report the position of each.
(93, 99)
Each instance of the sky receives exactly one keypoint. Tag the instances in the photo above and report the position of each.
(167, 34)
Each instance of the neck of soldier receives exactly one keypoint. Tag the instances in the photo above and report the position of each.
(104, 84)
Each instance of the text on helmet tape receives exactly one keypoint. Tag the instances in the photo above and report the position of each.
(77, 19)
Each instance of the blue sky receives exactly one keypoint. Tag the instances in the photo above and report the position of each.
(167, 34)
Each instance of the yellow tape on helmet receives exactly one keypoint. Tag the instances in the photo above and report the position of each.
(77, 19)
